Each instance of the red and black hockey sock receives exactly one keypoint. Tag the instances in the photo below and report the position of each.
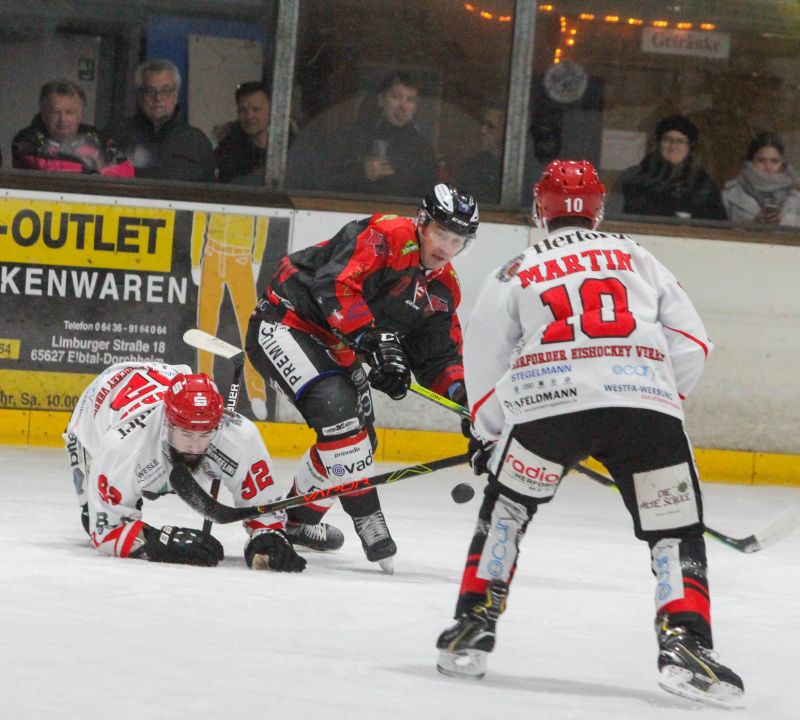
(682, 591)
(494, 549)
(314, 477)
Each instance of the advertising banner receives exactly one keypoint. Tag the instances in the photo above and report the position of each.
(84, 285)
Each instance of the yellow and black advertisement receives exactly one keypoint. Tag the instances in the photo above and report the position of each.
(83, 286)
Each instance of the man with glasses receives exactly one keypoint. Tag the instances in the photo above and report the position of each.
(158, 142)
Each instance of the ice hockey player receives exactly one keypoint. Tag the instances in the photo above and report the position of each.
(382, 290)
(586, 345)
(132, 424)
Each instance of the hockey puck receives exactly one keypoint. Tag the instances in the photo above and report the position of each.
(462, 493)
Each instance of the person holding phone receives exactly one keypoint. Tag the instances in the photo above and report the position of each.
(766, 190)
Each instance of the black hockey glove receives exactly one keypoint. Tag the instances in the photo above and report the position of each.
(271, 550)
(480, 452)
(185, 546)
(390, 371)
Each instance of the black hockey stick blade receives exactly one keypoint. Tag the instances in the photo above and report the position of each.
(193, 495)
(784, 524)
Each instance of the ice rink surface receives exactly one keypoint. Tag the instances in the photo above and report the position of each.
(86, 636)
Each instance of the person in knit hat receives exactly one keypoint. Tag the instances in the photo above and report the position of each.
(766, 190)
(668, 181)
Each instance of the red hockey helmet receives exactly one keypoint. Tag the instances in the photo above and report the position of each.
(193, 403)
(568, 188)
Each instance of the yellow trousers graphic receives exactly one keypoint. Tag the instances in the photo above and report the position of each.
(232, 248)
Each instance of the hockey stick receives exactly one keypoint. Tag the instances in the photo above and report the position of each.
(190, 491)
(781, 526)
(237, 358)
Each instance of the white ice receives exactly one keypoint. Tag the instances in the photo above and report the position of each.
(86, 636)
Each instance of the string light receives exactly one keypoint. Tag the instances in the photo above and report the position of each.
(586, 17)
(487, 15)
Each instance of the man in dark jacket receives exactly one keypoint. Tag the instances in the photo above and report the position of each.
(382, 291)
(387, 155)
(158, 142)
(242, 153)
(58, 141)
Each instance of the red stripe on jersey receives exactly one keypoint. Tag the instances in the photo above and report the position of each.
(129, 537)
(476, 406)
(690, 337)
(111, 537)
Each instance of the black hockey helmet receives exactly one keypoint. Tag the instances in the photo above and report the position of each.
(451, 208)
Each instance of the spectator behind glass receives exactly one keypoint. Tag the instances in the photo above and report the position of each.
(157, 141)
(242, 152)
(57, 140)
(387, 154)
(480, 173)
(766, 189)
(668, 181)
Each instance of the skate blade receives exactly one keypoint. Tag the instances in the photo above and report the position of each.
(677, 680)
(387, 565)
(468, 664)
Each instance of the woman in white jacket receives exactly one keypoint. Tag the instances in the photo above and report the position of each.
(766, 191)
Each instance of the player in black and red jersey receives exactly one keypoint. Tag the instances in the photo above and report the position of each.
(382, 290)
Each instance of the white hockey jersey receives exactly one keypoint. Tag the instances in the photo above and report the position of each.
(116, 394)
(582, 319)
(120, 421)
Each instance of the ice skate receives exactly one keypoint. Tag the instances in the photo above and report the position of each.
(465, 647)
(376, 540)
(321, 536)
(690, 669)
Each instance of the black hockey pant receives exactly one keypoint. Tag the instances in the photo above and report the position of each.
(335, 401)
(651, 461)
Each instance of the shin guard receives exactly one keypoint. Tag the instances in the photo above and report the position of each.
(494, 549)
(682, 584)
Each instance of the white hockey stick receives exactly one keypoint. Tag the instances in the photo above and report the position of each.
(202, 340)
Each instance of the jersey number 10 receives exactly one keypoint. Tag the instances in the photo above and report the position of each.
(604, 312)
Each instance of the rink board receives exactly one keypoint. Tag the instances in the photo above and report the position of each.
(25, 427)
